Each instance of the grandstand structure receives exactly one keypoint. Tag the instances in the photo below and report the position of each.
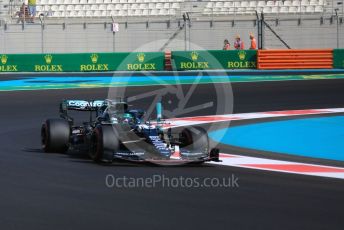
(172, 8)
(106, 8)
(87, 25)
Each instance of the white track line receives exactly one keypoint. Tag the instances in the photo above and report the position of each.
(280, 166)
(186, 121)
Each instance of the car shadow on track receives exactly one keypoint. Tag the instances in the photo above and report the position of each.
(81, 157)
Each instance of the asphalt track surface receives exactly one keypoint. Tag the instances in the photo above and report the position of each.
(55, 191)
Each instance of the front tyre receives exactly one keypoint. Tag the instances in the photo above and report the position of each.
(55, 134)
(194, 139)
(105, 142)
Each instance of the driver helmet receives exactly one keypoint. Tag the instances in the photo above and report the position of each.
(127, 118)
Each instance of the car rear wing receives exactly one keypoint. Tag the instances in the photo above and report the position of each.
(81, 105)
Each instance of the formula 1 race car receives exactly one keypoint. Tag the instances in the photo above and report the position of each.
(117, 133)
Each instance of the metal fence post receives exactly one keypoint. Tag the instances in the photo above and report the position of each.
(41, 18)
(337, 24)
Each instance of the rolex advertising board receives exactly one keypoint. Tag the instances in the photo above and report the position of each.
(214, 59)
(143, 61)
(82, 62)
(338, 58)
(7, 65)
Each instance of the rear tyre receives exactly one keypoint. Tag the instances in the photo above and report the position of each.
(194, 139)
(105, 142)
(55, 134)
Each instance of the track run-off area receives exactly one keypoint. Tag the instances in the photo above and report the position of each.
(275, 189)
